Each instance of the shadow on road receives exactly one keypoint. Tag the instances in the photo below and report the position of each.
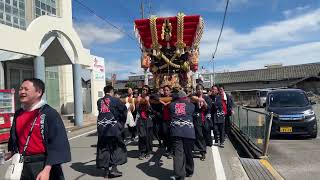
(152, 167)
(94, 145)
(133, 154)
(93, 134)
(86, 168)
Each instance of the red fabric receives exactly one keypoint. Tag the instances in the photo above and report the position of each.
(202, 116)
(190, 28)
(23, 126)
(224, 107)
(144, 115)
(166, 114)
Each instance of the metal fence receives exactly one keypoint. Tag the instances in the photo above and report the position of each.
(254, 126)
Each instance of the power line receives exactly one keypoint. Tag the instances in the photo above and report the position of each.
(106, 20)
(224, 18)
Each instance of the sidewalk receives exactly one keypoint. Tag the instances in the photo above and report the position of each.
(88, 120)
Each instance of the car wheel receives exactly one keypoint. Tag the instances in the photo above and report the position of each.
(314, 134)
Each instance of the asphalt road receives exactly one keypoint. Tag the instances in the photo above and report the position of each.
(224, 164)
(295, 157)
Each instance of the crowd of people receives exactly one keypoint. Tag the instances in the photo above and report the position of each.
(181, 122)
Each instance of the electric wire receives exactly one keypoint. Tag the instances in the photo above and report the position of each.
(223, 21)
(106, 20)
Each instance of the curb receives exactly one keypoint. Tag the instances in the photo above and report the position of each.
(269, 167)
(74, 128)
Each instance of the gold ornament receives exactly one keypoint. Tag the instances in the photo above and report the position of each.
(166, 30)
(154, 35)
(180, 27)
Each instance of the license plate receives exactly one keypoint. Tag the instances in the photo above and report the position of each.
(286, 129)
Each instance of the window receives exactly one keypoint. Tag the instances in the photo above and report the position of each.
(8, 17)
(288, 99)
(45, 7)
(21, 5)
(21, 13)
(8, 8)
(15, 3)
(1, 6)
(37, 3)
(15, 11)
(15, 20)
(38, 11)
(22, 22)
(48, 8)
(8, 1)
(1, 15)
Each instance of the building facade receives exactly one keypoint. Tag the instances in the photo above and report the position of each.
(38, 40)
(244, 84)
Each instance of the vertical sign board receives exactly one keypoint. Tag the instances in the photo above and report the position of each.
(98, 69)
(98, 81)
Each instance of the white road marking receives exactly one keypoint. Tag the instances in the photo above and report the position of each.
(82, 134)
(220, 175)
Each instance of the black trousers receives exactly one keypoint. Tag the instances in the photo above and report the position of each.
(200, 142)
(219, 132)
(32, 169)
(145, 139)
(227, 125)
(156, 129)
(133, 131)
(207, 136)
(182, 156)
(165, 133)
(110, 151)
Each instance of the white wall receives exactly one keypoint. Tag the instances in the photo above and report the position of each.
(66, 88)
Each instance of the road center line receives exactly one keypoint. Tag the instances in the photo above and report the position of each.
(220, 175)
(82, 134)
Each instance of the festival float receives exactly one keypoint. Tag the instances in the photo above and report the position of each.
(170, 48)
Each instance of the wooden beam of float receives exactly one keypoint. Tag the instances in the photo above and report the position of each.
(154, 101)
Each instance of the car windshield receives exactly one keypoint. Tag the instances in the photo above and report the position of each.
(263, 93)
(288, 99)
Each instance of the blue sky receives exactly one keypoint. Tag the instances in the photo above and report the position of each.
(256, 32)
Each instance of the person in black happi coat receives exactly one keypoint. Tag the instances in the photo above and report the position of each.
(182, 135)
(218, 117)
(111, 149)
(48, 147)
(202, 121)
(227, 103)
(144, 124)
(165, 122)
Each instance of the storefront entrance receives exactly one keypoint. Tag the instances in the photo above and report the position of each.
(17, 72)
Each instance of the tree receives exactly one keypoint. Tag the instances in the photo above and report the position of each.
(131, 85)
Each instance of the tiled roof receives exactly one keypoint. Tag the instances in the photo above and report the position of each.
(270, 74)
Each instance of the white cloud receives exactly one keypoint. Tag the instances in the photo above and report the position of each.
(166, 13)
(274, 35)
(296, 11)
(90, 33)
(123, 69)
(300, 54)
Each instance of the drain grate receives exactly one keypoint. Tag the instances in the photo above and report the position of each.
(255, 170)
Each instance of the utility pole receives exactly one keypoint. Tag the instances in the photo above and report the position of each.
(213, 74)
(146, 78)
